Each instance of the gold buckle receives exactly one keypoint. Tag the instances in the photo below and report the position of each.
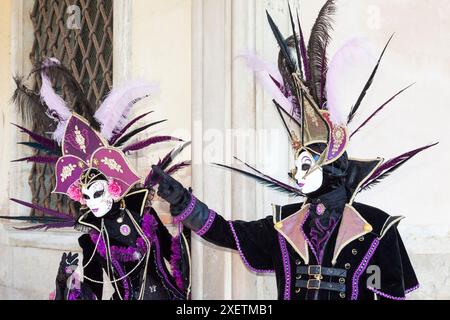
(315, 274)
(313, 284)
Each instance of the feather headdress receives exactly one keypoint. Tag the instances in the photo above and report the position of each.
(84, 136)
(314, 94)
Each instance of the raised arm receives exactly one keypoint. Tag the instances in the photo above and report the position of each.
(252, 239)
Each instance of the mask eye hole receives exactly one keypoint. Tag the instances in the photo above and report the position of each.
(306, 166)
(306, 163)
(85, 196)
(98, 194)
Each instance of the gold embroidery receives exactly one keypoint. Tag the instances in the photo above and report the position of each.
(80, 139)
(338, 137)
(310, 112)
(67, 171)
(112, 164)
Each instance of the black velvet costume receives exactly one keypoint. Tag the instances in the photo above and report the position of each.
(264, 248)
(159, 284)
(361, 256)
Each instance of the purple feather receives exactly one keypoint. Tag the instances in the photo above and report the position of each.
(303, 50)
(175, 259)
(47, 211)
(49, 143)
(46, 226)
(117, 135)
(390, 164)
(38, 159)
(178, 167)
(378, 110)
(148, 142)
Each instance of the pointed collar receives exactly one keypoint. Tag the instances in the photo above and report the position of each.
(352, 226)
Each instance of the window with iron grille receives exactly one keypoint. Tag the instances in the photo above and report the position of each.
(79, 33)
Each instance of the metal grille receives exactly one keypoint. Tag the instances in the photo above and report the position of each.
(79, 33)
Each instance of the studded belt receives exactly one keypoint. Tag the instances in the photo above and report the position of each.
(316, 270)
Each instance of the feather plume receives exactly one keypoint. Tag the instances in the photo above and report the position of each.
(148, 142)
(317, 45)
(367, 85)
(264, 181)
(177, 167)
(163, 163)
(303, 50)
(282, 43)
(46, 211)
(46, 142)
(270, 78)
(57, 107)
(281, 184)
(40, 147)
(43, 222)
(79, 103)
(128, 136)
(114, 110)
(117, 135)
(38, 159)
(378, 110)
(29, 105)
(296, 42)
(391, 165)
(347, 71)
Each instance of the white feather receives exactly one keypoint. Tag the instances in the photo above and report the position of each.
(347, 74)
(114, 110)
(264, 72)
(54, 102)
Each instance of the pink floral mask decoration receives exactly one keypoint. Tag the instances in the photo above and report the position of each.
(98, 196)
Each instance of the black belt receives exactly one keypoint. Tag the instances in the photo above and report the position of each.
(316, 270)
(318, 284)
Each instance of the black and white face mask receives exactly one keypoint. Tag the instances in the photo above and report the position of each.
(308, 181)
(97, 197)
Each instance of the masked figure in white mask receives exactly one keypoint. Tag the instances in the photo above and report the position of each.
(123, 235)
(327, 246)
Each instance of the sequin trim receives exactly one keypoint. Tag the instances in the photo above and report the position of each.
(211, 217)
(286, 266)
(186, 212)
(238, 245)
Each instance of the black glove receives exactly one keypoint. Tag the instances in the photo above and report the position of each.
(169, 189)
(67, 266)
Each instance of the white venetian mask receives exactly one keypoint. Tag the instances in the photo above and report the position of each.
(97, 198)
(306, 180)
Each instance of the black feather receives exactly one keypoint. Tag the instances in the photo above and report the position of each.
(279, 108)
(317, 45)
(61, 75)
(282, 43)
(131, 134)
(36, 219)
(384, 175)
(29, 105)
(367, 85)
(40, 147)
(264, 181)
(297, 45)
